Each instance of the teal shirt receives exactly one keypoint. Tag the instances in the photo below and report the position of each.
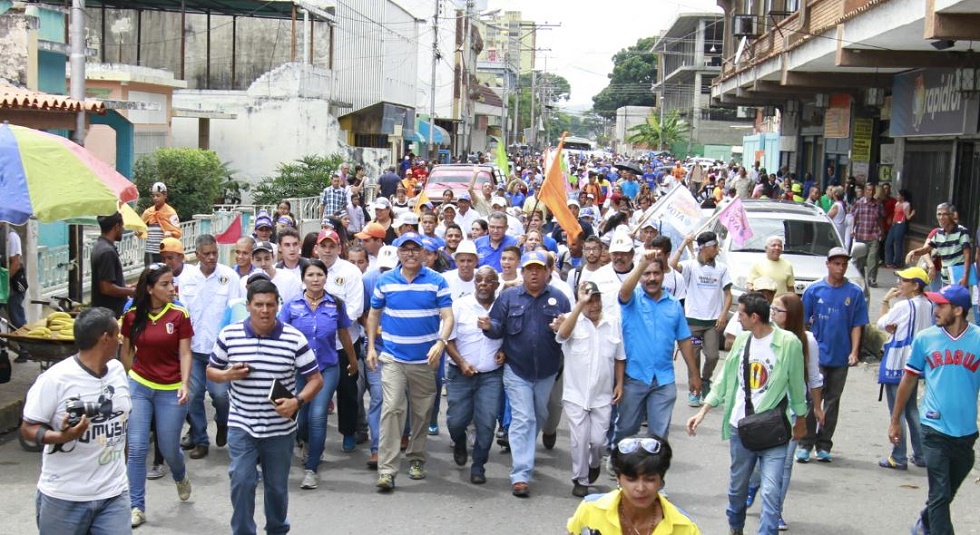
(787, 376)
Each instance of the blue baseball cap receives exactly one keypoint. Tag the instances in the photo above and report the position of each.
(953, 294)
(413, 237)
(429, 244)
(534, 257)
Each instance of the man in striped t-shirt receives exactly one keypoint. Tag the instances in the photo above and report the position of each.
(252, 354)
(412, 303)
(951, 243)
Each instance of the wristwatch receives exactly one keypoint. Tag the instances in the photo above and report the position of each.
(300, 402)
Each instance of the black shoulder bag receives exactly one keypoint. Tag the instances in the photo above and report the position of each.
(761, 430)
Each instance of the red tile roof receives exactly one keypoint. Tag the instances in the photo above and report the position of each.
(15, 98)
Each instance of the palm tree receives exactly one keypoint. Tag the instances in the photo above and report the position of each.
(654, 134)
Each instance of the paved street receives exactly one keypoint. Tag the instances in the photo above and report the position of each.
(850, 495)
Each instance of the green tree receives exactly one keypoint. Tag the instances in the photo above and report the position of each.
(194, 179)
(305, 177)
(634, 72)
(550, 90)
(654, 134)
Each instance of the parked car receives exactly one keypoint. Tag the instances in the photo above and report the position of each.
(456, 177)
(808, 235)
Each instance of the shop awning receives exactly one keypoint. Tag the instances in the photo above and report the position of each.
(440, 136)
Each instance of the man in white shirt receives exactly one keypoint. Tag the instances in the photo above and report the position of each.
(609, 278)
(344, 280)
(206, 290)
(15, 268)
(289, 285)
(673, 282)
(289, 249)
(591, 256)
(709, 296)
(461, 280)
(474, 376)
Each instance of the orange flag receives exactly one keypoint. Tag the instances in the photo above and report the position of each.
(554, 195)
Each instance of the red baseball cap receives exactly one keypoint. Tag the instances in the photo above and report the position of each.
(328, 234)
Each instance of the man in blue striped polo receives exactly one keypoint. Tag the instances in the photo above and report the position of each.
(251, 354)
(412, 304)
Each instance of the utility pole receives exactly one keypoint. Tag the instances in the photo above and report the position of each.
(534, 88)
(77, 64)
(433, 153)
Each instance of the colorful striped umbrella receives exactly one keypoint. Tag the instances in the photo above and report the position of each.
(52, 178)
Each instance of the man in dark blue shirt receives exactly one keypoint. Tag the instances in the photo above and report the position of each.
(388, 183)
(526, 318)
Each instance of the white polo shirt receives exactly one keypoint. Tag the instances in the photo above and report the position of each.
(472, 344)
(344, 280)
(207, 298)
(591, 353)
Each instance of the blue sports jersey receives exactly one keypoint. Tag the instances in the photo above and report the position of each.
(951, 368)
(832, 312)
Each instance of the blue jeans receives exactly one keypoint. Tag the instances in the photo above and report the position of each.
(911, 417)
(162, 405)
(97, 517)
(655, 403)
(373, 379)
(274, 454)
(756, 480)
(895, 244)
(529, 411)
(771, 463)
(195, 409)
(312, 420)
(15, 309)
(473, 399)
(948, 462)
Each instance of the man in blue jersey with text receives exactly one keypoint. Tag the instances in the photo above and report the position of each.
(412, 304)
(945, 356)
(836, 312)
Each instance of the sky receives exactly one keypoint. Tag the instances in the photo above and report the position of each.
(583, 47)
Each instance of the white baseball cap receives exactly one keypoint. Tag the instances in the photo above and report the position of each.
(621, 243)
(388, 257)
(158, 187)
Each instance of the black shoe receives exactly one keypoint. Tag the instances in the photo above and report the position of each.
(580, 490)
(503, 440)
(198, 452)
(549, 439)
(594, 473)
(20, 359)
(460, 455)
(361, 437)
(478, 477)
(187, 442)
(221, 437)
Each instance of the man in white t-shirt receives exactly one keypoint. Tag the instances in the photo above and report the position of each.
(83, 482)
(592, 261)
(609, 278)
(673, 282)
(709, 296)
(461, 280)
(288, 284)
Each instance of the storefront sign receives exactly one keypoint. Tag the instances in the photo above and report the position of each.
(926, 102)
(837, 120)
(861, 143)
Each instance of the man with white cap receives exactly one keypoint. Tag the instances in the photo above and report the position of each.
(467, 215)
(161, 222)
(609, 278)
(461, 280)
(288, 283)
(406, 222)
(514, 226)
(449, 212)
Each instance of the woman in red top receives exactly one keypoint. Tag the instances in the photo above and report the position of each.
(158, 333)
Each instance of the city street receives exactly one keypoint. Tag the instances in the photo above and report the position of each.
(850, 495)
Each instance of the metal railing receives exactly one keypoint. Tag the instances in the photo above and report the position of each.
(54, 262)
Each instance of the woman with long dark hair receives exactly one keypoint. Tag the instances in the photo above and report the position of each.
(895, 241)
(158, 334)
(321, 317)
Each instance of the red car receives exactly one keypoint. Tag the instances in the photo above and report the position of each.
(456, 177)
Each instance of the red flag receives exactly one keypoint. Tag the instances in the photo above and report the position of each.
(232, 233)
(554, 195)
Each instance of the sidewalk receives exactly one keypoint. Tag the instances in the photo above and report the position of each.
(12, 394)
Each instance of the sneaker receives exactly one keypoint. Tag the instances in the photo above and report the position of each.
(693, 400)
(824, 456)
(362, 436)
(750, 499)
(460, 455)
(372, 462)
(890, 462)
(416, 471)
(783, 526)
(705, 389)
(221, 437)
(918, 461)
(350, 443)
(802, 455)
(478, 476)
(594, 472)
(184, 489)
(386, 482)
(157, 472)
(433, 430)
(137, 517)
(579, 490)
(310, 480)
(198, 452)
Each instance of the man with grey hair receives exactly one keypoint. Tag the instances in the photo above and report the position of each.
(206, 290)
(83, 482)
(774, 266)
(489, 247)
(951, 242)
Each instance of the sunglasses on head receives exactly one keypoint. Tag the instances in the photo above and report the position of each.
(630, 445)
(156, 266)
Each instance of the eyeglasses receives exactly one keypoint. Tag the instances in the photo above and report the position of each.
(630, 445)
(777, 309)
(412, 251)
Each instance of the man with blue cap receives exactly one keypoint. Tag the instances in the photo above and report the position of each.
(526, 317)
(945, 356)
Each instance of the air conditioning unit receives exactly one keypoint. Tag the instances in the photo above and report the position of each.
(746, 26)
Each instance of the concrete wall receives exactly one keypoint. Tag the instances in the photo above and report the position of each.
(425, 9)
(719, 133)
(626, 118)
(18, 62)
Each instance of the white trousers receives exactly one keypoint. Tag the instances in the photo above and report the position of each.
(588, 433)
